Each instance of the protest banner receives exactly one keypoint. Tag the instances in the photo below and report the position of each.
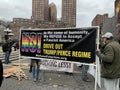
(69, 44)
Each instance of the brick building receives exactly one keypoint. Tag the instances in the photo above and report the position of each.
(99, 19)
(52, 12)
(69, 12)
(109, 25)
(117, 11)
(40, 10)
(45, 16)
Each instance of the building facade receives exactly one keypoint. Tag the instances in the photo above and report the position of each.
(109, 25)
(69, 12)
(99, 19)
(45, 16)
(5, 31)
(52, 12)
(40, 10)
(117, 11)
(19, 23)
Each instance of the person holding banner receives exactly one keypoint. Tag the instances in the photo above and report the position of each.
(110, 65)
(36, 69)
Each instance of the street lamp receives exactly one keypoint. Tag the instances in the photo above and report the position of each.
(8, 33)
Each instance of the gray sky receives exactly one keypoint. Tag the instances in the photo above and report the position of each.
(86, 9)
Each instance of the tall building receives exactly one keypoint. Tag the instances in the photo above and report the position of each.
(109, 25)
(117, 11)
(40, 10)
(99, 19)
(69, 12)
(52, 12)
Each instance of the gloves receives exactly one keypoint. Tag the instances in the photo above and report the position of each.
(97, 52)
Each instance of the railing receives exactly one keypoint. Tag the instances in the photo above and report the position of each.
(13, 56)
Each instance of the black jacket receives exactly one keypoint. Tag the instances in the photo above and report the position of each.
(1, 73)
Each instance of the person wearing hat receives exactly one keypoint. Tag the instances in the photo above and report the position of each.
(110, 62)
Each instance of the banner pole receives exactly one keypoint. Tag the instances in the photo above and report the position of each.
(96, 77)
(19, 56)
(19, 66)
(96, 71)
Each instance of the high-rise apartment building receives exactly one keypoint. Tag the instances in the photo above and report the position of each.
(52, 12)
(40, 10)
(99, 19)
(69, 12)
(117, 11)
(109, 25)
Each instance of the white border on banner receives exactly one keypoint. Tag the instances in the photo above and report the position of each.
(90, 64)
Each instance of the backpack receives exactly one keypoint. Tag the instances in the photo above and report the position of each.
(4, 47)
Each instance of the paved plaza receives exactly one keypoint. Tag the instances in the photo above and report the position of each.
(50, 80)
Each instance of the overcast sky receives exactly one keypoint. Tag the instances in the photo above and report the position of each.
(86, 9)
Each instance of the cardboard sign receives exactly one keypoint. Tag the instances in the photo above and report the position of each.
(57, 65)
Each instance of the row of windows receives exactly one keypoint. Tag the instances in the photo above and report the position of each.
(24, 22)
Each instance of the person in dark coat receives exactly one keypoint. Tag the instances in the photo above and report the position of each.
(8, 50)
(1, 73)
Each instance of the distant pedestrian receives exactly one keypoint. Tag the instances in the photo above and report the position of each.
(7, 50)
(1, 73)
(36, 69)
(110, 62)
(15, 47)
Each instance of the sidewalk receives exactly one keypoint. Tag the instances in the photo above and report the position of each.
(51, 80)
